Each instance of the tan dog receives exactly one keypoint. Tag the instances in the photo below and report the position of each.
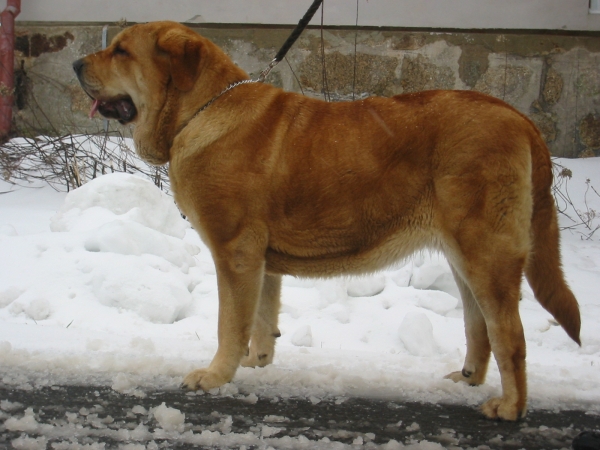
(277, 183)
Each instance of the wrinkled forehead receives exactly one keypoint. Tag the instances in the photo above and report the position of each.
(140, 34)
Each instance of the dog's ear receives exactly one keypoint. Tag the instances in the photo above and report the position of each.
(184, 57)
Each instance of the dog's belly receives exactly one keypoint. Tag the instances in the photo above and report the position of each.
(311, 261)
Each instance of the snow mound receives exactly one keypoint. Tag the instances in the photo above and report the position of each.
(437, 301)
(119, 195)
(8, 230)
(117, 249)
(132, 238)
(416, 333)
(154, 295)
(366, 286)
(9, 295)
(433, 273)
(303, 337)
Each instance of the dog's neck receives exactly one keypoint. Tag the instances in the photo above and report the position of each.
(217, 75)
(212, 100)
(216, 71)
(153, 143)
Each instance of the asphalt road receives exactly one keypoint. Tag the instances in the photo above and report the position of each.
(69, 417)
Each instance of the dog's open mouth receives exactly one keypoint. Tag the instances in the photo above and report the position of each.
(121, 109)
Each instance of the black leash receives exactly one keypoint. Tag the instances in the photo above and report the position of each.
(290, 40)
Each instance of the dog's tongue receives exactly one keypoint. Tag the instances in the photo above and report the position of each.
(94, 108)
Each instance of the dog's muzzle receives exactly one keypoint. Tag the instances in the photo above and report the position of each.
(120, 108)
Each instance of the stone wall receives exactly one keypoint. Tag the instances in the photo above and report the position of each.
(554, 78)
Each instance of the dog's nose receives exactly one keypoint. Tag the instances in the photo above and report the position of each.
(77, 66)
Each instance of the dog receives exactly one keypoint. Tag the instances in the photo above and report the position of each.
(277, 183)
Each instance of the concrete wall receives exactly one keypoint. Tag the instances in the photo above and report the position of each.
(553, 77)
(459, 14)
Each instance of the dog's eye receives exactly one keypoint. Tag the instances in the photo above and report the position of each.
(120, 51)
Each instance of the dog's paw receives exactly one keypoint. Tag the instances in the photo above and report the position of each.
(256, 360)
(456, 377)
(499, 408)
(464, 376)
(203, 379)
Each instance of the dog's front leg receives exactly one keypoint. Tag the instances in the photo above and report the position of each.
(240, 274)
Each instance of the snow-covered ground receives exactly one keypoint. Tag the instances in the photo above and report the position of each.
(108, 284)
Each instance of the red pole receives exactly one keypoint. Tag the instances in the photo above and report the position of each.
(7, 75)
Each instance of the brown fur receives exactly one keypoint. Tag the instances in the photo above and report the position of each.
(277, 183)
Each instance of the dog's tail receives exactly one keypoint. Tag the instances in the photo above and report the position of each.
(544, 271)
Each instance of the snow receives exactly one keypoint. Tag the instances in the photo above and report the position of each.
(108, 284)
(170, 419)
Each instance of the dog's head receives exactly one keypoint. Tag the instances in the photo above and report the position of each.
(126, 77)
(141, 77)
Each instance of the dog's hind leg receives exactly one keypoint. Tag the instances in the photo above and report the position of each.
(265, 330)
(478, 343)
(494, 272)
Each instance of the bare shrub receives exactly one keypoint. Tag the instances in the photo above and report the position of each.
(583, 221)
(67, 162)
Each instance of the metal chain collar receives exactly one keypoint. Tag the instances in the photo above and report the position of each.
(227, 89)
